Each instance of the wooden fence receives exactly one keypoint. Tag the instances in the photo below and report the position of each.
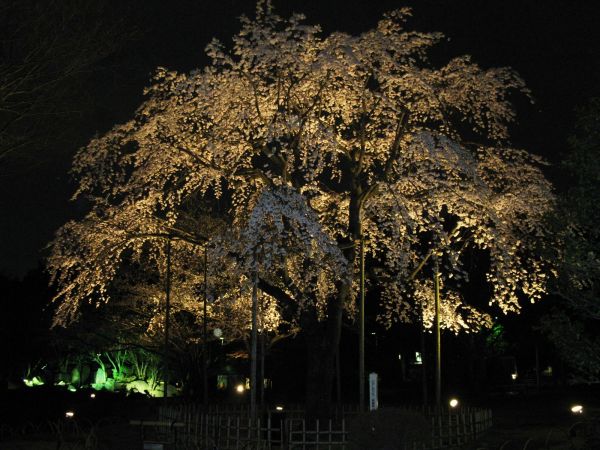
(229, 428)
(452, 429)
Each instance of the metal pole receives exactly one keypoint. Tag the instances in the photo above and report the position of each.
(361, 344)
(537, 366)
(338, 380)
(438, 352)
(167, 312)
(205, 335)
(263, 351)
(262, 366)
(423, 360)
(253, 344)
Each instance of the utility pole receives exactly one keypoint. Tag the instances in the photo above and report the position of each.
(361, 338)
(438, 351)
(167, 312)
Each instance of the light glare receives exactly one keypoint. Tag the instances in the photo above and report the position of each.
(577, 409)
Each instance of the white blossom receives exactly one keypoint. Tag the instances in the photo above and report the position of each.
(304, 143)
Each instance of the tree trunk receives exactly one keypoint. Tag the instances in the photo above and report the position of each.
(322, 342)
(323, 338)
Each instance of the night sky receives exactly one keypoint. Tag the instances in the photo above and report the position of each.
(554, 45)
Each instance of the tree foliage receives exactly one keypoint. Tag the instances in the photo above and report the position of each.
(575, 223)
(575, 245)
(286, 151)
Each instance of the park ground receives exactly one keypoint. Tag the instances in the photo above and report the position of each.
(522, 421)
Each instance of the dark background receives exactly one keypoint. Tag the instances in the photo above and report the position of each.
(554, 45)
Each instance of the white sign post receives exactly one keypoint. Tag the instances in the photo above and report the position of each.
(373, 401)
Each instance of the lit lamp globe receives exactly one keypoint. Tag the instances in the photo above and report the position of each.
(218, 332)
(453, 403)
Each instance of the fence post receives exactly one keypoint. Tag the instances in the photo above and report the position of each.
(303, 434)
(268, 431)
(228, 433)
(237, 432)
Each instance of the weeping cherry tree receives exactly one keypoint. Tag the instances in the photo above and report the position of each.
(309, 143)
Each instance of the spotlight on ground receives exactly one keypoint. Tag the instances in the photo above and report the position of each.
(69, 414)
(279, 408)
(577, 409)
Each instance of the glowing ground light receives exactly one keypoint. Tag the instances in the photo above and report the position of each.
(69, 414)
(92, 395)
(577, 409)
(279, 408)
(239, 388)
(453, 403)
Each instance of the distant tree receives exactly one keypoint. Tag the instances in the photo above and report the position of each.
(576, 342)
(47, 50)
(135, 317)
(308, 145)
(572, 326)
(578, 215)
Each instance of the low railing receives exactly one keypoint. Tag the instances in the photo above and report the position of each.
(231, 428)
(451, 429)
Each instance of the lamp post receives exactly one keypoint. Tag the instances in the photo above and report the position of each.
(167, 312)
(423, 358)
(438, 352)
(361, 339)
(204, 335)
(253, 348)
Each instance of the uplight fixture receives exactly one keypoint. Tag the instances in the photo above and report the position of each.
(577, 409)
